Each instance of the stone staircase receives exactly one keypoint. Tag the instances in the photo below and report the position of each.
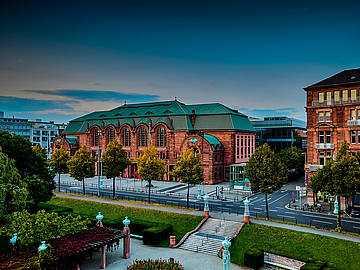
(208, 239)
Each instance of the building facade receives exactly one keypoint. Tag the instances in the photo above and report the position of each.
(333, 115)
(14, 125)
(279, 132)
(223, 136)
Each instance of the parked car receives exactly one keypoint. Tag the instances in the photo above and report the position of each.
(355, 212)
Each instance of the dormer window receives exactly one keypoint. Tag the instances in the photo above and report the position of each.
(167, 111)
(118, 114)
(133, 113)
(103, 115)
(149, 113)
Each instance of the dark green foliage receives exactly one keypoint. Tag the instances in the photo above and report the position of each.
(28, 162)
(294, 159)
(254, 257)
(53, 208)
(157, 234)
(5, 245)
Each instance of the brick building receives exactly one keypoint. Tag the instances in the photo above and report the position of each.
(223, 136)
(333, 115)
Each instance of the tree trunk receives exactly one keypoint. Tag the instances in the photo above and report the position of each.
(187, 196)
(149, 183)
(339, 214)
(83, 186)
(267, 206)
(59, 183)
(114, 187)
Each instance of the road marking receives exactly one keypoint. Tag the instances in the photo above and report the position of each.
(273, 210)
(322, 222)
(278, 199)
(291, 213)
(350, 221)
(257, 208)
(356, 228)
(317, 217)
(277, 207)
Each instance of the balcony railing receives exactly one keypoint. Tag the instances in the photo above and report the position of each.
(335, 102)
(324, 146)
(315, 166)
(353, 122)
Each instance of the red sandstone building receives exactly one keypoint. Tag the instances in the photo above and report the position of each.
(224, 137)
(333, 115)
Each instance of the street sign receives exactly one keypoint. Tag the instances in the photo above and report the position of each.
(298, 187)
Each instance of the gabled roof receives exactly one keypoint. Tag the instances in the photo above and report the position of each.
(211, 116)
(344, 78)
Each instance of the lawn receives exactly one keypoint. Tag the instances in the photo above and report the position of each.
(182, 223)
(339, 254)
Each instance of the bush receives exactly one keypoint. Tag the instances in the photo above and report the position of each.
(155, 264)
(155, 235)
(314, 265)
(53, 208)
(42, 226)
(254, 257)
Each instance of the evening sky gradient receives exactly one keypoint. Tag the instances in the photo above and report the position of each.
(62, 59)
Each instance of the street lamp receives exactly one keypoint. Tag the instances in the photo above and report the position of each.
(226, 253)
(100, 182)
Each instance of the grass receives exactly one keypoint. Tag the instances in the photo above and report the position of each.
(182, 223)
(339, 254)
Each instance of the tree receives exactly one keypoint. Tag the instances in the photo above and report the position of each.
(27, 161)
(59, 160)
(115, 161)
(150, 166)
(294, 159)
(320, 180)
(266, 172)
(13, 191)
(82, 165)
(39, 150)
(189, 170)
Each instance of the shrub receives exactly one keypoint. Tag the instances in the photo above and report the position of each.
(155, 235)
(158, 264)
(42, 226)
(53, 208)
(254, 257)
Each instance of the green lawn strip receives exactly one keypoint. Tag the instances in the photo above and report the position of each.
(182, 223)
(338, 253)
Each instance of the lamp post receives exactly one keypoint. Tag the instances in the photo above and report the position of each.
(206, 206)
(226, 253)
(126, 231)
(99, 218)
(336, 206)
(246, 211)
(99, 165)
(199, 192)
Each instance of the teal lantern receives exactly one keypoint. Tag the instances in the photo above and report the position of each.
(14, 239)
(336, 206)
(126, 222)
(42, 247)
(206, 202)
(99, 217)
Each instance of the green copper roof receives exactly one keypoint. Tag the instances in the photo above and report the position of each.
(212, 140)
(213, 116)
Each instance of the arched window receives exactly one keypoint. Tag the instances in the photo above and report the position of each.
(142, 137)
(126, 136)
(95, 137)
(110, 135)
(160, 137)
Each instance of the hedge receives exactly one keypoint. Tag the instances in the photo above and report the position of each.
(314, 265)
(254, 257)
(53, 208)
(155, 235)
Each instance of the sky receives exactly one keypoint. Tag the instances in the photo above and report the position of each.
(63, 59)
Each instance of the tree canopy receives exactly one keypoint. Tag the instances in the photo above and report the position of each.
(266, 172)
(189, 170)
(39, 150)
(82, 165)
(58, 162)
(294, 159)
(114, 161)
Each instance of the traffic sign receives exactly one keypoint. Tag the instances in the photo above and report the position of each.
(298, 187)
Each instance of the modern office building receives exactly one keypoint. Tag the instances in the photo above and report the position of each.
(44, 134)
(224, 137)
(333, 115)
(19, 126)
(280, 132)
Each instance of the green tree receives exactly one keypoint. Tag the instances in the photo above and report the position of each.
(39, 150)
(266, 172)
(320, 180)
(82, 165)
(188, 169)
(150, 166)
(27, 161)
(114, 161)
(58, 162)
(294, 159)
(42, 226)
(13, 191)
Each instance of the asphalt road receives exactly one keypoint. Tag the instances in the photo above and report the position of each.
(277, 206)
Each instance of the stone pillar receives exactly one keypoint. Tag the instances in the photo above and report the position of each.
(226, 253)
(77, 266)
(172, 241)
(103, 257)
(126, 251)
(246, 211)
(206, 206)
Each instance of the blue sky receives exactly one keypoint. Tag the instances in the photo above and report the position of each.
(62, 59)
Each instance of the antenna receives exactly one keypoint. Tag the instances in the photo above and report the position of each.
(125, 102)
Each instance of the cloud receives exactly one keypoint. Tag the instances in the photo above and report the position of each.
(272, 112)
(94, 83)
(63, 103)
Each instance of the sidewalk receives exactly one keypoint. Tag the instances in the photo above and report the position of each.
(216, 215)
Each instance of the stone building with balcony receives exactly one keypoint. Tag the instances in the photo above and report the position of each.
(333, 115)
(224, 137)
